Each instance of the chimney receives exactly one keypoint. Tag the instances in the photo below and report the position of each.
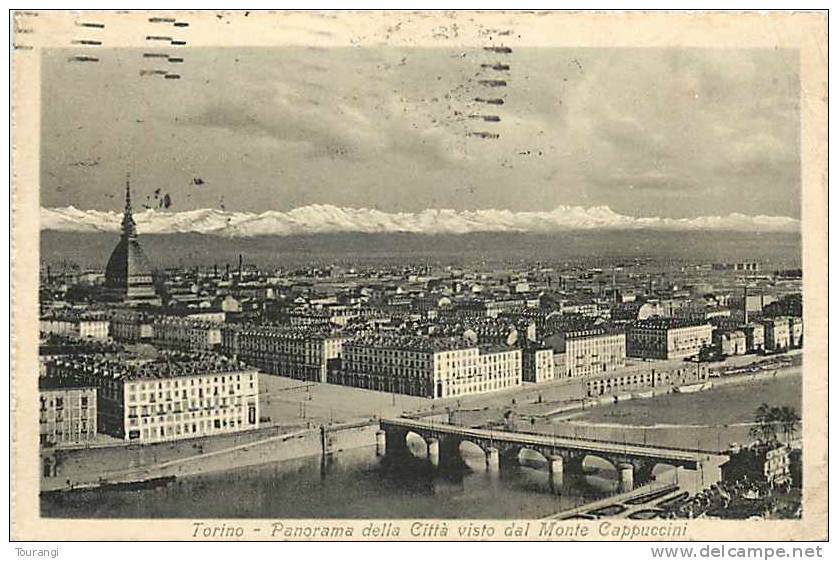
(745, 303)
(240, 266)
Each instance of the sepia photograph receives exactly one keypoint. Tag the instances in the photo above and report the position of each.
(440, 275)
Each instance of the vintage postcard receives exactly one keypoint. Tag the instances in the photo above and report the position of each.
(405, 275)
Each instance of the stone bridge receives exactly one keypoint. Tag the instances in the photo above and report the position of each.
(694, 470)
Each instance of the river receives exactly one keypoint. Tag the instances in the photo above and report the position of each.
(349, 484)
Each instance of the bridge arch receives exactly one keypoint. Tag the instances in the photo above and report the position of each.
(416, 444)
(600, 473)
(663, 471)
(530, 457)
(472, 454)
(595, 462)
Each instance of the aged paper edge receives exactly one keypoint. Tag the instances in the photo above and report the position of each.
(804, 31)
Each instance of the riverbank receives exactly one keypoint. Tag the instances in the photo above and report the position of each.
(83, 468)
(709, 420)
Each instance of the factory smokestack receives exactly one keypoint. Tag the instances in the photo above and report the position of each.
(745, 303)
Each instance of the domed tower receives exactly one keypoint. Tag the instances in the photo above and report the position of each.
(128, 271)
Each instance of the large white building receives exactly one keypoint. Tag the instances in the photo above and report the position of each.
(589, 352)
(170, 398)
(434, 367)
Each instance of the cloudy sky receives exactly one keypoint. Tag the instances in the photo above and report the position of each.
(669, 133)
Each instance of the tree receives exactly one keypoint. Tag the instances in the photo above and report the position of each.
(788, 419)
(768, 421)
(765, 425)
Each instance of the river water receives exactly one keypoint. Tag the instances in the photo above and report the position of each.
(349, 484)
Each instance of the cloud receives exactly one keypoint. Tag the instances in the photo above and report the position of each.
(664, 132)
(318, 219)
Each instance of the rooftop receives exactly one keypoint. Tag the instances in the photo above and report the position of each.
(412, 343)
(666, 323)
(168, 365)
(283, 331)
(74, 316)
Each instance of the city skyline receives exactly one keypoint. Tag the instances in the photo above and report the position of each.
(653, 133)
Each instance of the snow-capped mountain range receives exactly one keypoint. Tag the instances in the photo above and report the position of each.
(319, 219)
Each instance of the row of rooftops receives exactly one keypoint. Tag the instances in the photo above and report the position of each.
(170, 365)
(411, 343)
(283, 331)
(597, 331)
(58, 345)
(74, 316)
(665, 323)
(67, 381)
(192, 323)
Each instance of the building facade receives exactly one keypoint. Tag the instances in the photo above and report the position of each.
(538, 364)
(186, 334)
(132, 326)
(795, 332)
(754, 337)
(292, 352)
(432, 367)
(168, 399)
(667, 338)
(777, 334)
(79, 326)
(67, 413)
(641, 379)
(589, 352)
(730, 342)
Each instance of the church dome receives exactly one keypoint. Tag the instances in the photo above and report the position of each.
(128, 271)
(127, 260)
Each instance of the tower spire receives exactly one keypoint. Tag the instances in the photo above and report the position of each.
(127, 191)
(129, 227)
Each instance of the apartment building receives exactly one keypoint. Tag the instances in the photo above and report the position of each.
(667, 338)
(173, 397)
(589, 352)
(186, 334)
(76, 325)
(538, 364)
(67, 413)
(303, 354)
(777, 333)
(132, 326)
(433, 367)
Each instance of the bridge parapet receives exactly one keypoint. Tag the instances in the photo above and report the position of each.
(641, 459)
